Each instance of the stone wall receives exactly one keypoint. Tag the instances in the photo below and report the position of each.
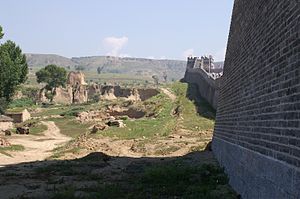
(257, 130)
(19, 117)
(207, 86)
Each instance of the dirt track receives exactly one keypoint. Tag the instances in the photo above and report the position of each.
(37, 148)
(169, 94)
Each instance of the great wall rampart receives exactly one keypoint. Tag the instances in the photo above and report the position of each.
(208, 84)
(257, 129)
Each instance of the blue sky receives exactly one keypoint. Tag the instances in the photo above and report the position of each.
(138, 28)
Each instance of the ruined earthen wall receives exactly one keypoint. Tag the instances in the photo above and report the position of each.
(145, 94)
(257, 130)
(6, 126)
(208, 88)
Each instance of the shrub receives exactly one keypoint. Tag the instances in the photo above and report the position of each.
(23, 102)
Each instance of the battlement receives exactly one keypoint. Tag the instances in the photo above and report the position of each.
(206, 63)
(200, 71)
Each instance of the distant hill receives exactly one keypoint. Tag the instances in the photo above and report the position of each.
(41, 60)
(133, 66)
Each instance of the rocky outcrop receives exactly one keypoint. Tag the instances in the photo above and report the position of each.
(63, 95)
(75, 91)
(94, 90)
(132, 94)
(76, 78)
(108, 93)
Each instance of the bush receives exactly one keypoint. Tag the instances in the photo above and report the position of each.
(23, 102)
(96, 98)
(30, 92)
(73, 111)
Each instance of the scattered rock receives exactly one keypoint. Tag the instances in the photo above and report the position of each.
(92, 116)
(4, 142)
(98, 127)
(118, 123)
(7, 133)
(22, 130)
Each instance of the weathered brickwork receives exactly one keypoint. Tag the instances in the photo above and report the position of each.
(259, 98)
(207, 87)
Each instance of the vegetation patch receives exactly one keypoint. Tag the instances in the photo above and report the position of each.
(162, 123)
(20, 103)
(70, 126)
(191, 119)
(182, 181)
(6, 150)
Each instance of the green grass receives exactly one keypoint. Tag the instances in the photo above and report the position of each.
(182, 181)
(60, 151)
(188, 111)
(38, 129)
(5, 150)
(163, 124)
(170, 180)
(70, 127)
(23, 102)
(65, 109)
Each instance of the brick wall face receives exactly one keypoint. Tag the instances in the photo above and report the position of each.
(207, 87)
(259, 99)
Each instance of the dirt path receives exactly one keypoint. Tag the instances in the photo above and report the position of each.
(37, 148)
(169, 94)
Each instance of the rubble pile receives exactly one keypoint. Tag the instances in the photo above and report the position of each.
(4, 142)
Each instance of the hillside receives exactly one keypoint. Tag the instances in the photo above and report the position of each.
(132, 66)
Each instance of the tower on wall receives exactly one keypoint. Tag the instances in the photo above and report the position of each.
(257, 130)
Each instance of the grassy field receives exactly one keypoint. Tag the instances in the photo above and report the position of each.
(191, 174)
(171, 179)
(91, 76)
(70, 127)
(192, 120)
(162, 125)
(6, 150)
(165, 122)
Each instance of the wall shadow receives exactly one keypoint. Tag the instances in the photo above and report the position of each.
(97, 175)
(204, 109)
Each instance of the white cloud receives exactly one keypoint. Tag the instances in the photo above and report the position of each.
(114, 45)
(188, 53)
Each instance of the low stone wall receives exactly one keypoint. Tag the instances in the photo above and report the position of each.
(207, 86)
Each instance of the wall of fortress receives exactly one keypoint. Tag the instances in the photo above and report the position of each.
(257, 130)
(207, 86)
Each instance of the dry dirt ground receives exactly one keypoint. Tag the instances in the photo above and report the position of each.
(37, 148)
(112, 167)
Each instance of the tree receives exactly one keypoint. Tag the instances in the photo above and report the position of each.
(54, 76)
(13, 70)
(1, 33)
(100, 68)
(165, 76)
(79, 68)
(155, 79)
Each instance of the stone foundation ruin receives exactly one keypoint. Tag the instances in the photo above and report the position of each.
(77, 91)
